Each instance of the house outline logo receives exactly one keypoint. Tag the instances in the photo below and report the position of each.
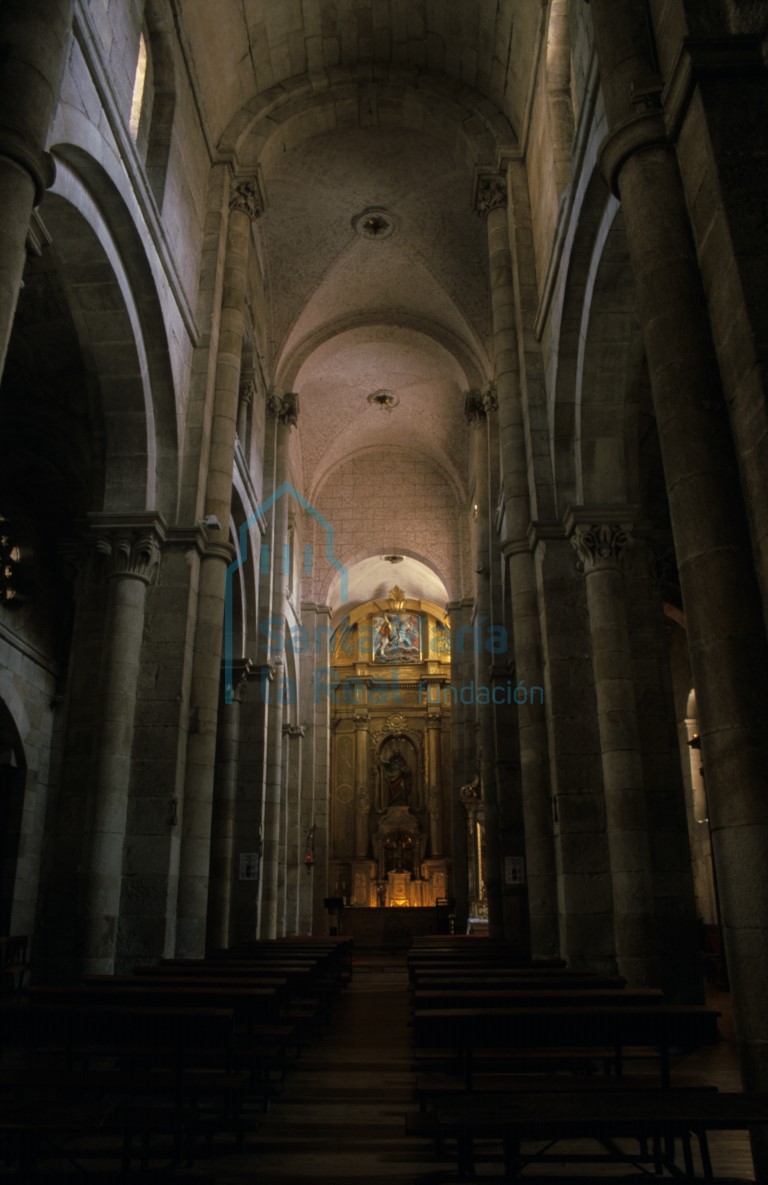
(287, 489)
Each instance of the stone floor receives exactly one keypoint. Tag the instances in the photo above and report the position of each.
(341, 1115)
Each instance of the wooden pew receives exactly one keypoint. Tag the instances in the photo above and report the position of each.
(655, 1118)
(562, 997)
(512, 1035)
(13, 962)
(162, 1045)
(309, 999)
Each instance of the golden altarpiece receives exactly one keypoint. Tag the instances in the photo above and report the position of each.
(390, 755)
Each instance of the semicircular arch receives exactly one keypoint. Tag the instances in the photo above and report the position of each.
(304, 106)
(117, 315)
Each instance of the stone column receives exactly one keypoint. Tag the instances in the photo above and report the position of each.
(295, 831)
(491, 202)
(315, 693)
(476, 414)
(578, 809)
(33, 34)
(285, 410)
(247, 391)
(715, 107)
(599, 549)
(434, 786)
(224, 808)
(244, 911)
(463, 759)
(362, 788)
(245, 205)
(131, 551)
(724, 612)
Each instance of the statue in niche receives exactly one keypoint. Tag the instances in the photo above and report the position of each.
(398, 776)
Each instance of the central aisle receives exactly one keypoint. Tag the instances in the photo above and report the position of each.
(341, 1113)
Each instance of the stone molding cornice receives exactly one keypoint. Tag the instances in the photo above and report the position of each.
(39, 165)
(294, 731)
(707, 57)
(637, 134)
(490, 193)
(219, 549)
(513, 547)
(543, 532)
(315, 607)
(186, 538)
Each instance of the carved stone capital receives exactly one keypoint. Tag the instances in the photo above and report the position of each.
(130, 548)
(471, 794)
(247, 391)
(285, 408)
(434, 720)
(135, 556)
(490, 193)
(636, 134)
(599, 546)
(474, 407)
(246, 197)
(362, 721)
(241, 669)
(490, 398)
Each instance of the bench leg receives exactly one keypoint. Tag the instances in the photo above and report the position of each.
(706, 1160)
(512, 1159)
(465, 1155)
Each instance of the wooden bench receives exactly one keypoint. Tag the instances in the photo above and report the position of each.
(150, 1064)
(499, 977)
(431, 1089)
(511, 1034)
(562, 997)
(261, 1031)
(13, 961)
(657, 1119)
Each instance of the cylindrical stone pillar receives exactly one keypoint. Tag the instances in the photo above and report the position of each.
(131, 552)
(491, 202)
(724, 612)
(599, 549)
(285, 409)
(362, 789)
(434, 783)
(476, 414)
(223, 815)
(194, 862)
(296, 831)
(463, 760)
(33, 34)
